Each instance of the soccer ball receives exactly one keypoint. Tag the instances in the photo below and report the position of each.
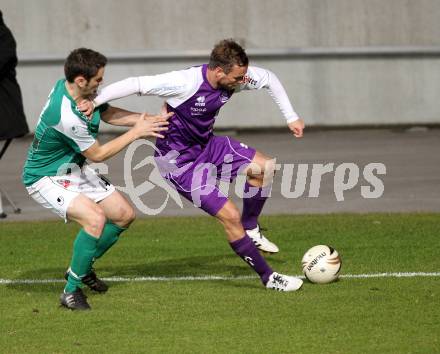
(321, 264)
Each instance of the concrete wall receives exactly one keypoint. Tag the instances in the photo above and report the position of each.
(57, 26)
(325, 90)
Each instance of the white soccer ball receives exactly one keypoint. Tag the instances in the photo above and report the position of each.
(321, 264)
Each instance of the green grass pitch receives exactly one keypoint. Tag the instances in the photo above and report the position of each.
(235, 314)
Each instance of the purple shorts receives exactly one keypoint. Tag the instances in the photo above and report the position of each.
(197, 172)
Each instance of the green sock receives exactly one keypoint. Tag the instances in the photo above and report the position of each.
(110, 234)
(84, 249)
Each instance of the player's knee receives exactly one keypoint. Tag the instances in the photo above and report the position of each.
(96, 221)
(269, 166)
(232, 216)
(123, 214)
(128, 215)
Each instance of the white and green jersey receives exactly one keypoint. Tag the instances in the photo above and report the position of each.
(62, 133)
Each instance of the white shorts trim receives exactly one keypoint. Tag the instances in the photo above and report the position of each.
(57, 192)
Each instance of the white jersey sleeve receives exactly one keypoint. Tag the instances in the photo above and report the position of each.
(175, 84)
(257, 78)
(73, 128)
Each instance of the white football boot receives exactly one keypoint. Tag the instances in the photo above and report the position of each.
(262, 243)
(282, 282)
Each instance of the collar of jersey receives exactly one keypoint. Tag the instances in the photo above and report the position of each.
(80, 115)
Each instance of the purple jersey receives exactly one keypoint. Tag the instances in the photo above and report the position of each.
(189, 145)
(195, 102)
(194, 118)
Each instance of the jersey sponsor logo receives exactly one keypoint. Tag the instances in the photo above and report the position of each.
(195, 111)
(224, 97)
(200, 101)
(60, 200)
(199, 108)
(65, 183)
(80, 131)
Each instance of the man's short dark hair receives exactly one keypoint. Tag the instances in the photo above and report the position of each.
(83, 62)
(226, 54)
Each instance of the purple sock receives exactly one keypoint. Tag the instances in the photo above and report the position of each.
(253, 206)
(246, 249)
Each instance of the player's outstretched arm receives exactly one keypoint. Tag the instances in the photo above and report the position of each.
(165, 85)
(257, 78)
(109, 93)
(121, 117)
(145, 126)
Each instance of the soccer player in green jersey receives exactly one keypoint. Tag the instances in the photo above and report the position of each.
(57, 176)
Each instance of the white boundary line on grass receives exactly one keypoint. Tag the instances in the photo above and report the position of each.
(214, 277)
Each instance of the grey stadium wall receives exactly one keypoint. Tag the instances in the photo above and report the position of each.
(342, 62)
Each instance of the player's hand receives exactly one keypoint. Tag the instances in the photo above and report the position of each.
(86, 107)
(148, 125)
(297, 127)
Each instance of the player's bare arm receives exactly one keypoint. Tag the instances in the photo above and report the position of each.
(145, 126)
(121, 117)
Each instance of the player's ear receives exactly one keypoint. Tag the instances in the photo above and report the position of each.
(219, 72)
(80, 81)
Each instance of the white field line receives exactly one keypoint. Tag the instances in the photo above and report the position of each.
(214, 277)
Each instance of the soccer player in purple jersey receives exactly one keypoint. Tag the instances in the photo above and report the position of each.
(194, 160)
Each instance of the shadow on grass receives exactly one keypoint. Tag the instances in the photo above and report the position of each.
(219, 265)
